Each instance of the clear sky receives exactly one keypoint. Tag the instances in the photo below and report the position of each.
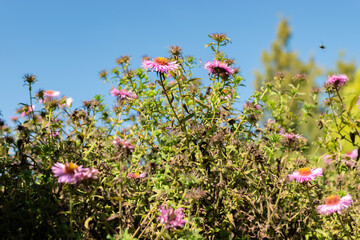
(67, 43)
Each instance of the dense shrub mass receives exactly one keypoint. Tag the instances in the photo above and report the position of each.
(173, 159)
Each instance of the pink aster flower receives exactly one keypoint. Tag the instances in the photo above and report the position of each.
(292, 136)
(358, 102)
(305, 174)
(353, 154)
(28, 109)
(336, 81)
(216, 67)
(327, 159)
(87, 173)
(51, 93)
(67, 173)
(14, 118)
(171, 218)
(160, 64)
(123, 143)
(136, 175)
(122, 94)
(335, 204)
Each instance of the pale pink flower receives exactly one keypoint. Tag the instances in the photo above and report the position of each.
(51, 93)
(292, 136)
(69, 101)
(28, 109)
(88, 173)
(67, 173)
(353, 154)
(336, 81)
(14, 118)
(122, 94)
(305, 174)
(160, 64)
(335, 204)
(216, 67)
(123, 143)
(327, 159)
(358, 102)
(72, 173)
(171, 218)
(136, 175)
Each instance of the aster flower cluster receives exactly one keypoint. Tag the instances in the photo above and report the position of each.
(171, 218)
(72, 173)
(122, 94)
(335, 82)
(333, 203)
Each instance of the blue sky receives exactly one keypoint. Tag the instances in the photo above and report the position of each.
(67, 43)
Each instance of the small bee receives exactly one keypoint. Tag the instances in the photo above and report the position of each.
(322, 46)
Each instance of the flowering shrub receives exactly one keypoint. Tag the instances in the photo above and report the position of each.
(174, 159)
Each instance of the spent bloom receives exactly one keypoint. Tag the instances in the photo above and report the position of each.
(51, 93)
(123, 143)
(160, 64)
(136, 175)
(72, 173)
(335, 204)
(305, 174)
(171, 218)
(122, 94)
(335, 82)
(216, 68)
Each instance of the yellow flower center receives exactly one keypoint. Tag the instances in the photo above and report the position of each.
(304, 171)
(49, 91)
(332, 200)
(161, 60)
(137, 174)
(70, 168)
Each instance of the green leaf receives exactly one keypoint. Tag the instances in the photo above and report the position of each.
(187, 117)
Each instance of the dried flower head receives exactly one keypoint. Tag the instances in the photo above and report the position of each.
(175, 50)
(123, 60)
(334, 204)
(30, 78)
(218, 37)
(103, 74)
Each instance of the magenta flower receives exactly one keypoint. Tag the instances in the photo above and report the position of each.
(122, 94)
(327, 159)
(353, 154)
(123, 143)
(51, 93)
(72, 173)
(160, 64)
(28, 109)
(136, 175)
(336, 81)
(67, 173)
(216, 68)
(335, 204)
(292, 136)
(87, 173)
(305, 174)
(171, 218)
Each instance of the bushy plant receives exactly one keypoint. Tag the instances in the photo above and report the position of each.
(173, 159)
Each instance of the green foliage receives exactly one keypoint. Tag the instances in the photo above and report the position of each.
(215, 164)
